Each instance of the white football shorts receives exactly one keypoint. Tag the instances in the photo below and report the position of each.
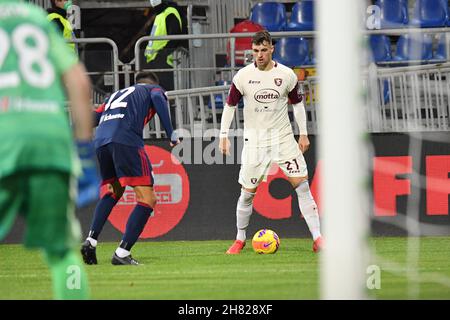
(257, 161)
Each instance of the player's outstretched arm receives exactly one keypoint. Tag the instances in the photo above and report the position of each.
(79, 93)
(227, 118)
(162, 109)
(300, 118)
(303, 143)
(97, 114)
(234, 96)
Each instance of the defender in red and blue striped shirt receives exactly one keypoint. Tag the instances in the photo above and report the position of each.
(123, 162)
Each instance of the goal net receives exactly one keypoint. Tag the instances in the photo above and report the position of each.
(384, 141)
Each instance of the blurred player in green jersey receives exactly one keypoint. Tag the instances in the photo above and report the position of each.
(39, 162)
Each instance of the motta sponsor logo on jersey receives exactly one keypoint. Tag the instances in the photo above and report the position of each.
(267, 95)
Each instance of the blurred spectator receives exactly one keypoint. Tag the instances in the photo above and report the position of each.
(58, 15)
(168, 20)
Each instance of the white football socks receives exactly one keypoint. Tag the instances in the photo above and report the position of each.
(308, 207)
(244, 211)
(122, 253)
(92, 241)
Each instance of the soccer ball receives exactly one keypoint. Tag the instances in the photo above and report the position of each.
(265, 241)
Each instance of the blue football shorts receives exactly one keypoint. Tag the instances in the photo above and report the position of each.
(129, 165)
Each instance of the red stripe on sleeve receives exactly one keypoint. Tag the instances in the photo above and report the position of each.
(100, 109)
(294, 96)
(233, 96)
(150, 115)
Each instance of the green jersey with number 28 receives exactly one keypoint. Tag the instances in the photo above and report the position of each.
(34, 126)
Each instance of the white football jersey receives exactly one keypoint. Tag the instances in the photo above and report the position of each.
(265, 94)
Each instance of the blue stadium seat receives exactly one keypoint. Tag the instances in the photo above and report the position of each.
(380, 46)
(408, 48)
(302, 16)
(292, 52)
(441, 50)
(430, 13)
(394, 13)
(313, 59)
(271, 15)
(218, 102)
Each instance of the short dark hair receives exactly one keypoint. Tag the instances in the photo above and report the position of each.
(147, 75)
(262, 36)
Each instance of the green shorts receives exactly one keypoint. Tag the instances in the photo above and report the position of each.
(46, 200)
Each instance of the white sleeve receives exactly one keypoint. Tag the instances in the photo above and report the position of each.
(293, 80)
(237, 81)
(227, 118)
(300, 117)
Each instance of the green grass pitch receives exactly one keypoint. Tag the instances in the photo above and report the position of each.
(190, 270)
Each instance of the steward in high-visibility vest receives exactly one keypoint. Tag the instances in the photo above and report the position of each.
(58, 15)
(159, 53)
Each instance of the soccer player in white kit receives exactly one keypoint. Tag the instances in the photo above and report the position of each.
(267, 87)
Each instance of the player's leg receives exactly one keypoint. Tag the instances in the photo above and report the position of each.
(49, 226)
(103, 210)
(69, 278)
(11, 198)
(52, 226)
(253, 168)
(105, 205)
(308, 207)
(293, 164)
(244, 210)
(135, 171)
(112, 196)
(101, 214)
(146, 200)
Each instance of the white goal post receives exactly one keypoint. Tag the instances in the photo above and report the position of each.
(341, 148)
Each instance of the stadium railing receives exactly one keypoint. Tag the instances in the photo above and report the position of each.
(232, 68)
(191, 104)
(115, 56)
(416, 99)
(394, 99)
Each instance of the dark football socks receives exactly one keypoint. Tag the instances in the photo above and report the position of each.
(101, 214)
(135, 225)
